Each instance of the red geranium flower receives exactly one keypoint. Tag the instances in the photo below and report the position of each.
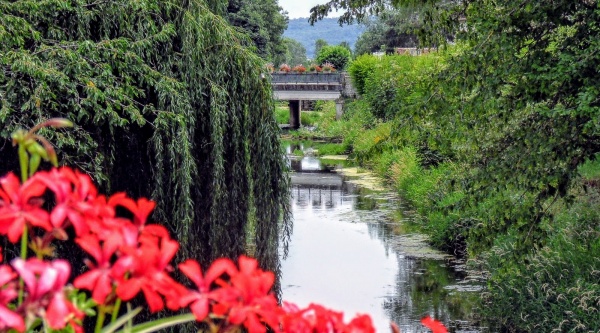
(313, 319)
(73, 192)
(147, 268)
(140, 209)
(98, 279)
(200, 300)
(45, 282)
(20, 205)
(255, 304)
(360, 324)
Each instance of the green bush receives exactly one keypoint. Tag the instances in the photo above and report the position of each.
(360, 68)
(590, 169)
(339, 56)
(399, 84)
(372, 142)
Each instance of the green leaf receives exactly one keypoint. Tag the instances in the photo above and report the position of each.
(121, 320)
(159, 324)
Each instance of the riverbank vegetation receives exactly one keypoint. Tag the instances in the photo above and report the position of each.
(496, 151)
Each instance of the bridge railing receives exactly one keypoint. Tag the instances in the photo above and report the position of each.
(307, 81)
(306, 77)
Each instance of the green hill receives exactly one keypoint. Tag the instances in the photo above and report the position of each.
(327, 29)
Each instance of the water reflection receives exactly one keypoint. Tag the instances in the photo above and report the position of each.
(343, 255)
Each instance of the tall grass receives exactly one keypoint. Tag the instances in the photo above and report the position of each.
(282, 113)
(309, 118)
(554, 289)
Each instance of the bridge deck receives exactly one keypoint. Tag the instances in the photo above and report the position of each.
(310, 95)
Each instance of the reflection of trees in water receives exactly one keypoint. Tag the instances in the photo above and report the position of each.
(365, 203)
(419, 288)
(420, 291)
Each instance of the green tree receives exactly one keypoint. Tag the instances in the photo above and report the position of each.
(346, 45)
(392, 29)
(168, 103)
(441, 15)
(339, 56)
(295, 53)
(264, 21)
(319, 44)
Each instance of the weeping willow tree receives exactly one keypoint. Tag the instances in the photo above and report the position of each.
(168, 103)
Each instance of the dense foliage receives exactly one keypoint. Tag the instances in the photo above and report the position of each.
(388, 31)
(522, 119)
(168, 103)
(487, 142)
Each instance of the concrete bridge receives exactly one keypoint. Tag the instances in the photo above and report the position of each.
(297, 87)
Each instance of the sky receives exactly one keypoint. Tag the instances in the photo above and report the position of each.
(301, 8)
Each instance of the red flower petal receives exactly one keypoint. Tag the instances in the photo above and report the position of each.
(127, 290)
(434, 325)
(200, 309)
(153, 299)
(10, 319)
(192, 270)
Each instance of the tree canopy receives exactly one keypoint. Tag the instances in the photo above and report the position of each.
(264, 21)
(337, 55)
(392, 29)
(168, 103)
(295, 53)
(319, 44)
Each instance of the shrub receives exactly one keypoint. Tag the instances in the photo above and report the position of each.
(360, 69)
(314, 68)
(397, 84)
(372, 142)
(339, 56)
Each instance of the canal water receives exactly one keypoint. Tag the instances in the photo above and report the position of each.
(349, 253)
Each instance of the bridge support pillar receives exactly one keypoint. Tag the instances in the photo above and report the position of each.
(339, 108)
(295, 114)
